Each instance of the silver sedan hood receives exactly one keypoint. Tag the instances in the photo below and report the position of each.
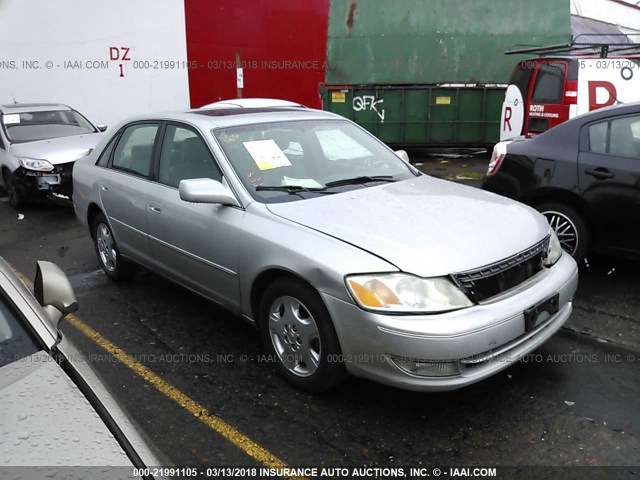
(424, 226)
(58, 150)
(50, 421)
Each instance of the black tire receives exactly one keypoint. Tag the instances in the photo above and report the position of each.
(16, 198)
(111, 262)
(570, 226)
(291, 340)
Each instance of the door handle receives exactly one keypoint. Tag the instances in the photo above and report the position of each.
(599, 173)
(104, 187)
(155, 207)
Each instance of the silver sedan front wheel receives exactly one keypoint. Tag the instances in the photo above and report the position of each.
(295, 336)
(298, 334)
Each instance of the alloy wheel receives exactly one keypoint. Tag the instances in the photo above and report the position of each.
(565, 229)
(106, 247)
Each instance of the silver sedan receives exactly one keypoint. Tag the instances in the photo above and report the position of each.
(346, 258)
(55, 410)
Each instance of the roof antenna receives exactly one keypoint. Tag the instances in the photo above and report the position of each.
(15, 102)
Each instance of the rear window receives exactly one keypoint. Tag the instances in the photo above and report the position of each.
(521, 76)
(549, 83)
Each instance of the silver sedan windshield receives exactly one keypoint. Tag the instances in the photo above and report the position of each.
(275, 160)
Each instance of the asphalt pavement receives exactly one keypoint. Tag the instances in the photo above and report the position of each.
(572, 403)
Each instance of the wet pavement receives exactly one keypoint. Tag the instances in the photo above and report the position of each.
(466, 166)
(573, 403)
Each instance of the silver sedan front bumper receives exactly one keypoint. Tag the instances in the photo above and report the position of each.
(451, 350)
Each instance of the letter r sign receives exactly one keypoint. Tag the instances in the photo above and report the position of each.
(507, 119)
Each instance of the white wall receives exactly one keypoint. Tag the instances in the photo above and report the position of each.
(626, 17)
(63, 31)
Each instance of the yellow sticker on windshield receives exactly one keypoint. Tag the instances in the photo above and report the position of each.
(267, 154)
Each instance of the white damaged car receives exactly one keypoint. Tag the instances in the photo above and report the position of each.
(38, 145)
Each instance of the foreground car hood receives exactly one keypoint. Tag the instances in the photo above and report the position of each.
(424, 225)
(47, 421)
(58, 150)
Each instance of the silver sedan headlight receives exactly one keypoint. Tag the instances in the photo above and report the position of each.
(554, 250)
(36, 164)
(404, 293)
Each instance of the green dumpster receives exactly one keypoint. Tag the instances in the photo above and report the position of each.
(421, 115)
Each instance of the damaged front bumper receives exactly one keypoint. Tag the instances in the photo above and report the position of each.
(36, 185)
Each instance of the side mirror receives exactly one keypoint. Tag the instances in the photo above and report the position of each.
(54, 292)
(206, 190)
(101, 128)
(402, 155)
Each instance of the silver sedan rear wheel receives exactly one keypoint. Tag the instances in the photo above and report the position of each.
(106, 247)
(295, 336)
(107, 250)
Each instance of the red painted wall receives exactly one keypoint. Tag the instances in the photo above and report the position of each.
(282, 46)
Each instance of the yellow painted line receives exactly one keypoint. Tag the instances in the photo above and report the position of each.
(243, 442)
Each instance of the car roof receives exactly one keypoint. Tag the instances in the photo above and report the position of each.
(227, 117)
(561, 132)
(604, 112)
(32, 107)
(253, 103)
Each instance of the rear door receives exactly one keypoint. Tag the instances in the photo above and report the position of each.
(123, 189)
(609, 178)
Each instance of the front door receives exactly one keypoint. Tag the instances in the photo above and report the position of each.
(195, 244)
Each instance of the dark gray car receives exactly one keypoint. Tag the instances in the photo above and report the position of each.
(583, 175)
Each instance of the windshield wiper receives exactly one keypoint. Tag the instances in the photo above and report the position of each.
(290, 188)
(358, 180)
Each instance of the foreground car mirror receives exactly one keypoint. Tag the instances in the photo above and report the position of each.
(101, 128)
(54, 292)
(206, 190)
(402, 155)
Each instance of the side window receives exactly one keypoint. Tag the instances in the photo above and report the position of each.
(135, 149)
(549, 83)
(598, 137)
(625, 137)
(15, 341)
(103, 161)
(185, 155)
